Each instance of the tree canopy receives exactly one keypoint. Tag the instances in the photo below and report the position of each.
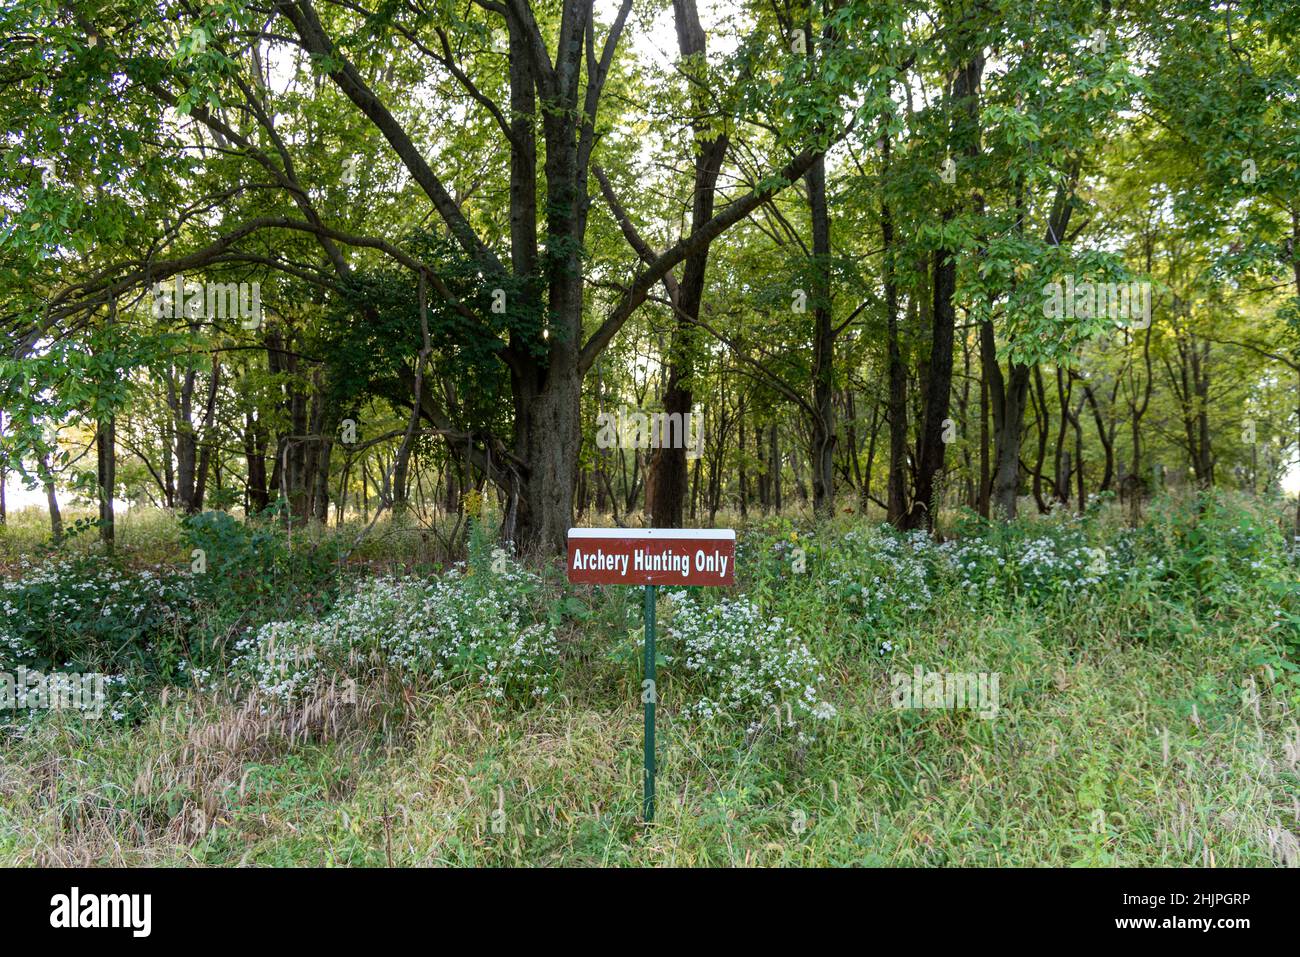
(898, 255)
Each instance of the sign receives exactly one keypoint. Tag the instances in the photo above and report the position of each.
(652, 556)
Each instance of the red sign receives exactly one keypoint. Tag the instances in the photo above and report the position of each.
(652, 556)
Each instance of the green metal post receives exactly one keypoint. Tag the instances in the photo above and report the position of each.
(648, 695)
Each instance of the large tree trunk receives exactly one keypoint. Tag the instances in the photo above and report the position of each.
(547, 426)
(255, 440)
(549, 390)
(932, 449)
(823, 365)
(666, 471)
(1008, 398)
(931, 452)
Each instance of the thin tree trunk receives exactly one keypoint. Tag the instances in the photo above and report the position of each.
(1043, 422)
(774, 462)
(744, 481)
(983, 504)
(896, 493)
(823, 418)
(52, 500)
(1108, 447)
(209, 439)
(106, 474)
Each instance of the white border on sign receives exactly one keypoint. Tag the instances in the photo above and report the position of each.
(712, 534)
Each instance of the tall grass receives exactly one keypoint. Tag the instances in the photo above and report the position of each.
(1147, 717)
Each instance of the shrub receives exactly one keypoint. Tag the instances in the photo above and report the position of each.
(1214, 547)
(250, 564)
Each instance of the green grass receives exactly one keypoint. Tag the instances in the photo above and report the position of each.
(146, 535)
(1123, 738)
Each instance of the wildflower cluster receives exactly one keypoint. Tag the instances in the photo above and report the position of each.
(1055, 558)
(455, 626)
(880, 574)
(1048, 564)
(747, 664)
(978, 565)
(89, 611)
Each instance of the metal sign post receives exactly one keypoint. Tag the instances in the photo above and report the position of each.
(651, 557)
(648, 696)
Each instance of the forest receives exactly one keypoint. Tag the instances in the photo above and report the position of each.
(326, 320)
